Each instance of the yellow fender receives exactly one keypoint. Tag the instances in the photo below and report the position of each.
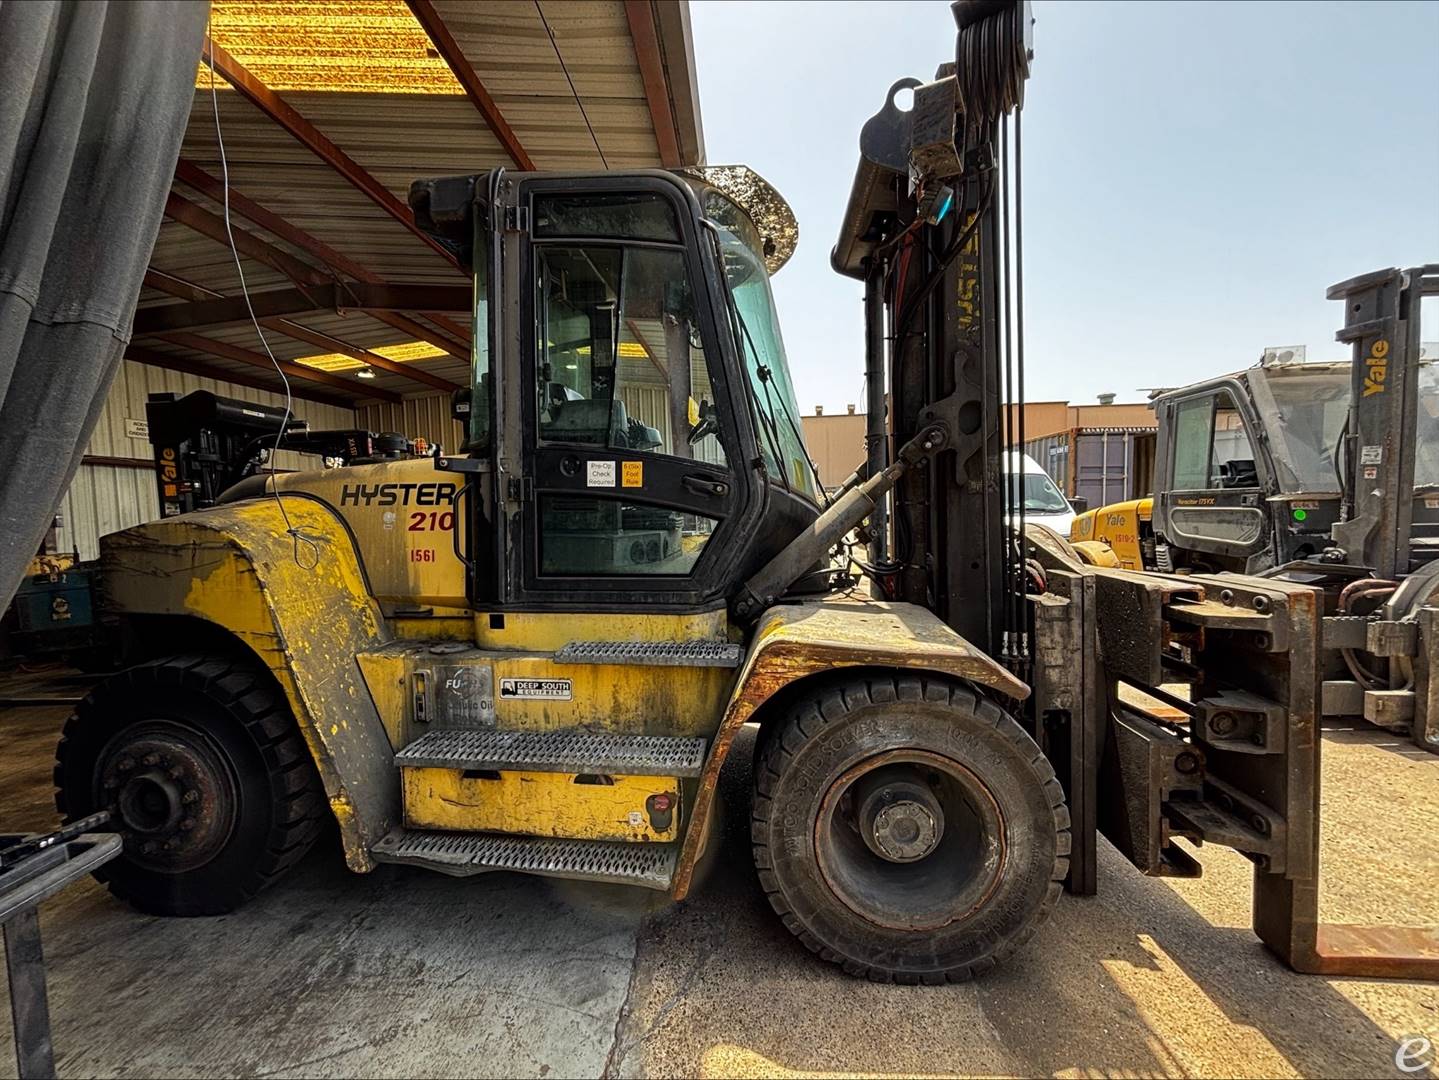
(794, 641)
(303, 607)
(1096, 553)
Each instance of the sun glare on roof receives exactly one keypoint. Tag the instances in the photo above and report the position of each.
(404, 353)
(356, 46)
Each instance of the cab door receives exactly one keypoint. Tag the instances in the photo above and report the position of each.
(629, 494)
(1212, 498)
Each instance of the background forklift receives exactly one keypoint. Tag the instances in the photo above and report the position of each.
(535, 656)
(1326, 474)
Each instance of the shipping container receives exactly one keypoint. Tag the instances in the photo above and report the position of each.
(1099, 465)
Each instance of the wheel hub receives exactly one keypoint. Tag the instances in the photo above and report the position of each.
(910, 839)
(900, 819)
(170, 793)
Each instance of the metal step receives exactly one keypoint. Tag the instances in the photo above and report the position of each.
(565, 751)
(653, 653)
(651, 866)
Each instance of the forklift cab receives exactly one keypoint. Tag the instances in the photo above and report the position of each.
(633, 438)
(1247, 475)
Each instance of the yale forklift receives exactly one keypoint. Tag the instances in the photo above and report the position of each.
(1326, 474)
(534, 655)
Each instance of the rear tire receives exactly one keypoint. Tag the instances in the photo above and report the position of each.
(907, 829)
(199, 760)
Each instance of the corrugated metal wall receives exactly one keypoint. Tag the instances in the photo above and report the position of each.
(104, 498)
(1102, 467)
(426, 416)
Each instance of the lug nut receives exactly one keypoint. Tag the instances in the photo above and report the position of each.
(148, 848)
(150, 760)
(125, 764)
(168, 845)
(190, 797)
(187, 824)
(174, 773)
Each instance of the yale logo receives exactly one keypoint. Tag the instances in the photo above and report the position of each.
(1378, 363)
(169, 474)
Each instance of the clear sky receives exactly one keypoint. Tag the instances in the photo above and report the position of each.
(1196, 174)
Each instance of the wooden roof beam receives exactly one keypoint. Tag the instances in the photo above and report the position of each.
(188, 290)
(195, 216)
(187, 172)
(645, 34)
(460, 66)
(226, 351)
(314, 140)
(150, 358)
(279, 303)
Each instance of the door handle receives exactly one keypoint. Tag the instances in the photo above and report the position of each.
(703, 485)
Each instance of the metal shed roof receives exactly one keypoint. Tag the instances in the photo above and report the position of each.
(328, 110)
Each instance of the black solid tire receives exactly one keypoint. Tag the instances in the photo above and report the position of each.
(235, 707)
(831, 732)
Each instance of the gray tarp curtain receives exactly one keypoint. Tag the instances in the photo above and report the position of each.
(94, 98)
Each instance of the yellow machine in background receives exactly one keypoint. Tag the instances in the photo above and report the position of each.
(1116, 535)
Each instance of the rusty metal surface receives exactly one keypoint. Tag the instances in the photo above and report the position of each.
(1399, 952)
(793, 641)
(303, 606)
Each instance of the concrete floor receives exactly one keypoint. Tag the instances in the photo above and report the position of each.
(413, 974)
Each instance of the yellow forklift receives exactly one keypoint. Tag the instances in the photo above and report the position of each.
(534, 655)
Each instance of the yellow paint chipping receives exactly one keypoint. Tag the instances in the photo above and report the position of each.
(539, 804)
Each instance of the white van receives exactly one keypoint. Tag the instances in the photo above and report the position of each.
(1044, 503)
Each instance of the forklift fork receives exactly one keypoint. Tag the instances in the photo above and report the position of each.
(1236, 763)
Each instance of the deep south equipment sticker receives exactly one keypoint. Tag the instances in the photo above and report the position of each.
(550, 689)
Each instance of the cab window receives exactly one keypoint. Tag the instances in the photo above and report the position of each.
(1212, 448)
(622, 363)
(620, 368)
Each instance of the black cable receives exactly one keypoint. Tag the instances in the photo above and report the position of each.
(1019, 311)
(1010, 482)
(1339, 449)
(765, 374)
(951, 253)
(575, 93)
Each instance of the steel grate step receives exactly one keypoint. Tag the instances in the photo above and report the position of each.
(565, 751)
(462, 854)
(655, 653)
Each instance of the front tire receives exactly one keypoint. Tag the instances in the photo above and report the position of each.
(907, 829)
(199, 761)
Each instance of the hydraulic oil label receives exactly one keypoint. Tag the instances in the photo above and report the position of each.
(547, 689)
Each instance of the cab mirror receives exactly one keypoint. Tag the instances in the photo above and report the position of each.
(602, 337)
(460, 405)
(1079, 504)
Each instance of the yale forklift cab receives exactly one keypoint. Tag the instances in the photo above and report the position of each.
(1326, 474)
(535, 655)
